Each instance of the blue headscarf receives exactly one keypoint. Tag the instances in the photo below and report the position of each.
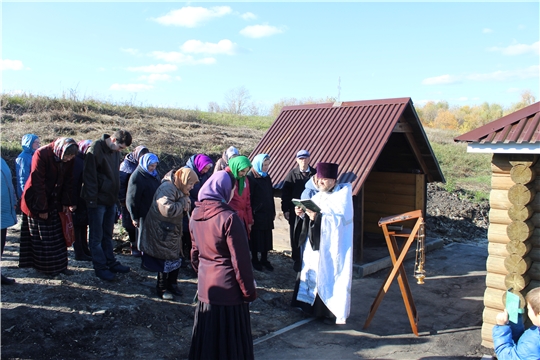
(149, 159)
(217, 187)
(258, 164)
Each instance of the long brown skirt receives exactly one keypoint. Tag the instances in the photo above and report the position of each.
(221, 332)
(42, 245)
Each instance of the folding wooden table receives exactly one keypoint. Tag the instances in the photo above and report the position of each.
(398, 255)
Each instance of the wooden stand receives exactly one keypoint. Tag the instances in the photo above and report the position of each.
(398, 255)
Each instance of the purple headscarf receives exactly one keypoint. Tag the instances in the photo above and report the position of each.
(217, 187)
(201, 161)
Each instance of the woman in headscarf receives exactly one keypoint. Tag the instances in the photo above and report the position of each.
(48, 191)
(142, 186)
(80, 217)
(127, 167)
(201, 164)
(223, 162)
(220, 256)
(264, 212)
(241, 202)
(29, 143)
(161, 238)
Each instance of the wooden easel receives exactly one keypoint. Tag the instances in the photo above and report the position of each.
(398, 255)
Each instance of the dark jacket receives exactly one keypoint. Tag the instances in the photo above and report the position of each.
(50, 185)
(101, 179)
(194, 193)
(294, 185)
(127, 167)
(262, 201)
(220, 255)
(162, 231)
(80, 216)
(140, 191)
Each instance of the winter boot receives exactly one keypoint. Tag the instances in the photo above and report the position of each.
(161, 287)
(172, 283)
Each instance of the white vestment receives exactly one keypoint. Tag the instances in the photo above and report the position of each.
(328, 271)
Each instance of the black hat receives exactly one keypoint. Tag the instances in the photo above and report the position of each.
(327, 171)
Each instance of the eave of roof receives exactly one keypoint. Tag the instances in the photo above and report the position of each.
(509, 132)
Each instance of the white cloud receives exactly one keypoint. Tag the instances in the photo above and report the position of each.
(8, 64)
(178, 78)
(248, 16)
(131, 87)
(518, 49)
(152, 78)
(259, 31)
(130, 51)
(500, 75)
(222, 47)
(190, 16)
(159, 68)
(527, 73)
(461, 98)
(179, 58)
(425, 101)
(441, 80)
(487, 30)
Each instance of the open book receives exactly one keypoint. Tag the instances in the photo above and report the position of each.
(306, 204)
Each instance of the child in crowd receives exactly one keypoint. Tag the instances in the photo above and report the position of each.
(511, 341)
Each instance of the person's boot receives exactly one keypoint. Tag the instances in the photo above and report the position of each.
(161, 287)
(80, 254)
(172, 283)
(134, 250)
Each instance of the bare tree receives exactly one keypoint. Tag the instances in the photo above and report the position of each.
(237, 101)
(213, 107)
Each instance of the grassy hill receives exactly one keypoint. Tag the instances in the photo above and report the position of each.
(176, 134)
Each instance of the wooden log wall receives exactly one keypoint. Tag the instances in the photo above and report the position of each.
(513, 234)
(387, 194)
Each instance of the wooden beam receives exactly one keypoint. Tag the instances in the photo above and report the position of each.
(418, 155)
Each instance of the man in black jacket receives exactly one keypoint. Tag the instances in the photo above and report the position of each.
(101, 181)
(292, 189)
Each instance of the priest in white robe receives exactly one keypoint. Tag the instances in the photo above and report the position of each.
(323, 286)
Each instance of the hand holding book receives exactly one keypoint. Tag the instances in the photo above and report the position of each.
(306, 204)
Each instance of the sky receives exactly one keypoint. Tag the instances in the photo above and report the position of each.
(188, 54)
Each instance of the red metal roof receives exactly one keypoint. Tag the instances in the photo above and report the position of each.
(351, 134)
(522, 126)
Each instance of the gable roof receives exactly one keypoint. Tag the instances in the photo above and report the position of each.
(352, 134)
(516, 132)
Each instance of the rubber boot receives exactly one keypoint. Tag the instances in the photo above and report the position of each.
(172, 283)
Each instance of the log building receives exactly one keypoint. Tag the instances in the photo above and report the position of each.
(514, 219)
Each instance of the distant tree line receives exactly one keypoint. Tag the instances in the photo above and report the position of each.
(439, 115)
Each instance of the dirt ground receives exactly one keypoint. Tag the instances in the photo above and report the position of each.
(81, 316)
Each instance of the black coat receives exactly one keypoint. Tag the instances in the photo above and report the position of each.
(294, 185)
(262, 202)
(140, 193)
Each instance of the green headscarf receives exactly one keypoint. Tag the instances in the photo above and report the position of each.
(236, 164)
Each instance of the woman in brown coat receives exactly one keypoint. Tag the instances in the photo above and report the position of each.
(161, 238)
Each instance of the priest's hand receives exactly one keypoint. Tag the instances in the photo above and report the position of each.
(312, 214)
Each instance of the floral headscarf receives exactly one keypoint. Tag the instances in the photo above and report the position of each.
(258, 164)
(218, 187)
(201, 160)
(236, 164)
(60, 146)
(183, 177)
(84, 145)
(147, 160)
